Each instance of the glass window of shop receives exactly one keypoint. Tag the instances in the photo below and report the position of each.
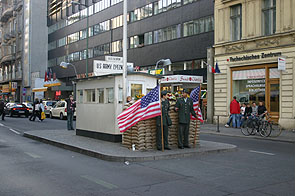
(110, 95)
(100, 95)
(90, 95)
(136, 89)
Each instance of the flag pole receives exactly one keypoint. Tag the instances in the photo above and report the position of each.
(162, 132)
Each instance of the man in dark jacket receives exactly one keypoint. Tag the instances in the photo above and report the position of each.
(184, 107)
(261, 110)
(2, 109)
(35, 111)
(166, 122)
(71, 106)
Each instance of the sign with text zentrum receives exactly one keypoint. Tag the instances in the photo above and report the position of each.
(101, 68)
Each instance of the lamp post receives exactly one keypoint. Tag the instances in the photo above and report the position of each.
(65, 65)
(87, 32)
(165, 62)
(124, 51)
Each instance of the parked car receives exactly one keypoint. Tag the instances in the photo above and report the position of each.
(17, 109)
(59, 110)
(47, 106)
(30, 106)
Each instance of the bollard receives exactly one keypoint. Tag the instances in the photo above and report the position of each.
(217, 124)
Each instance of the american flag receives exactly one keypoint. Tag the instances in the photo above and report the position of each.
(195, 97)
(144, 108)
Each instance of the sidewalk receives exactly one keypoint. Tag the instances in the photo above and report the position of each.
(115, 151)
(285, 136)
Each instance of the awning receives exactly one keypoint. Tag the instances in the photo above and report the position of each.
(42, 89)
(52, 84)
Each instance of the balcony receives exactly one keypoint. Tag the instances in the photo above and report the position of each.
(6, 14)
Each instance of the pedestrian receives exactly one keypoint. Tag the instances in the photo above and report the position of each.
(242, 114)
(235, 112)
(261, 110)
(35, 112)
(166, 121)
(41, 111)
(128, 99)
(248, 111)
(254, 109)
(184, 107)
(71, 106)
(2, 109)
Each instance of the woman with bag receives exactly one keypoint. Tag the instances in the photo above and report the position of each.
(41, 111)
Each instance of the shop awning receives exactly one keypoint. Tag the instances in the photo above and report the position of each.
(42, 89)
(52, 84)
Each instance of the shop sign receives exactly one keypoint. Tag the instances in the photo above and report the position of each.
(5, 88)
(255, 86)
(101, 68)
(156, 72)
(114, 59)
(254, 57)
(282, 63)
(182, 79)
(13, 86)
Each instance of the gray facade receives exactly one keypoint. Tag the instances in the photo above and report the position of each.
(191, 48)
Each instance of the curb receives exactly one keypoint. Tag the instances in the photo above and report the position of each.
(113, 158)
(253, 137)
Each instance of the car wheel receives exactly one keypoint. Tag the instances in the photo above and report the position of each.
(51, 115)
(61, 116)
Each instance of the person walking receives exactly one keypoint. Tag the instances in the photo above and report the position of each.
(41, 111)
(2, 109)
(235, 112)
(71, 106)
(184, 107)
(35, 110)
(242, 114)
(166, 122)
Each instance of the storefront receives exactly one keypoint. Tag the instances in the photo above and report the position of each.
(255, 77)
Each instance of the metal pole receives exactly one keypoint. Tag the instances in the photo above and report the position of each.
(217, 124)
(124, 51)
(87, 39)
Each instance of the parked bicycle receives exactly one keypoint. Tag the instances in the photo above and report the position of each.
(257, 124)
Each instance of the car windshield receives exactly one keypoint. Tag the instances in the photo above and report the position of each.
(50, 103)
(20, 106)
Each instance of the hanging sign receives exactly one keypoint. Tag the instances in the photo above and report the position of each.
(101, 68)
(282, 63)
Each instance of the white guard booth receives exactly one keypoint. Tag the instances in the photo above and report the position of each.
(99, 102)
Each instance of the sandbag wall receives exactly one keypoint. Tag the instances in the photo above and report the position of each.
(143, 134)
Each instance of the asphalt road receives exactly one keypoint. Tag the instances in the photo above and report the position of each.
(28, 167)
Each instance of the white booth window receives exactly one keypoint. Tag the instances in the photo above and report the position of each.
(120, 95)
(90, 95)
(136, 89)
(80, 96)
(110, 94)
(100, 95)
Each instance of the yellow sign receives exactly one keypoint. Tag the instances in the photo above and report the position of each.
(5, 88)
(39, 89)
(53, 84)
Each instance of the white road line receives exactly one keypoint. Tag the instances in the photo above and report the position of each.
(32, 155)
(1, 125)
(14, 131)
(3, 141)
(259, 152)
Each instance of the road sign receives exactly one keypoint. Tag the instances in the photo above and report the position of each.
(114, 59)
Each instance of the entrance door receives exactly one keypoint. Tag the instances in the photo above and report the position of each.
(274, 99)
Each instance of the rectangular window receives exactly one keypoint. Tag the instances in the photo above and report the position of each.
(83, 55)
(76, 56)
(90, 53)
(90, 95)
(100, 95)
(117, 21)
(168, 33)
(136, 89)
(269, 17)
(101, 50)
(110, 95)
(52, 62)
(80, 93)
(236, 22)
(83, 34)
(61, 42)
(120, 95)
(52, 45)
(116, 46)
(148, 38)
(73, 37)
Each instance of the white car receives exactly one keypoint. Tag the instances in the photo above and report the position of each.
(47, 106)
(29, 105)
(59, 110)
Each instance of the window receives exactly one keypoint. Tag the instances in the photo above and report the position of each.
(188, 1)
(76, 56)
(113, 2)
(236, 22)
(117, 46)
(100, 95)
(61, 42)
(148, 38)
(83, 54)
(83, 34)
(137, 41)
(136, 89)
(120, 95)
(52, 45)
(52, 62)
(165, 5)
(101, 27)
(269, 17)
(117, 21)
(80, 93)
(60, 59)
(73, 37)
(101, 50)
(90, 53)
(83, 14)
(73, 18)
(90, 95)
(166, 34)
(110, 95)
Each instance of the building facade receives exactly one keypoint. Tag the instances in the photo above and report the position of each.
(23, 47)
(250, 37)
(180, 30)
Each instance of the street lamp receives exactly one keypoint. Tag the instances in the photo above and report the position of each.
(165, 62)
(65, 65)
(87, 32)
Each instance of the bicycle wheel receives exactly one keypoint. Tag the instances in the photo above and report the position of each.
(276, 130)
(265, 129)
(246, 128)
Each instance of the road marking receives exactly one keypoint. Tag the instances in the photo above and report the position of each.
(14, 131)
(1, 125)
(259, 152)
(32, 155)
(100, 182)
(3, 141)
